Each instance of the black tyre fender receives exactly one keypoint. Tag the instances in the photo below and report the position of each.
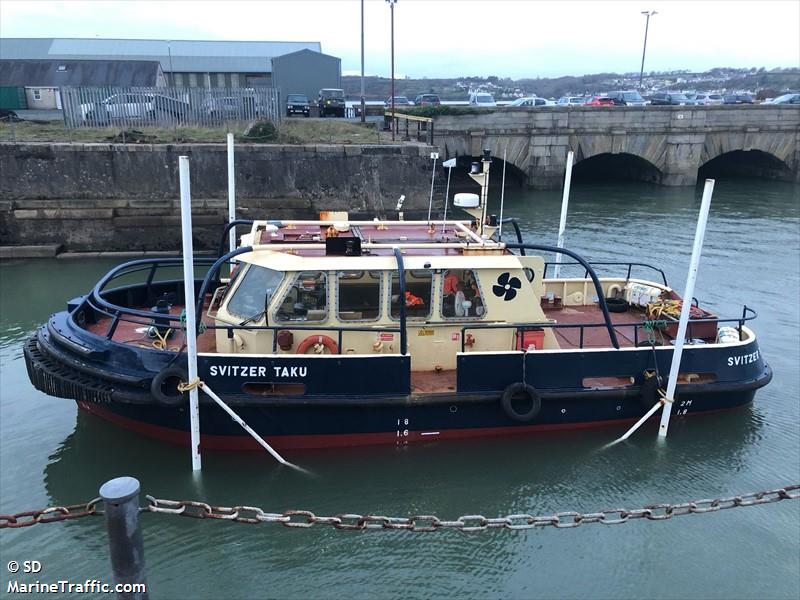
(164, 387)
(648, 392)
(617, 305)
(514, 391)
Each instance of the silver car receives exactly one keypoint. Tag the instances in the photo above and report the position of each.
(571, 101)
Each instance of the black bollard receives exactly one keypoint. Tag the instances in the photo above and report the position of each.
(121, 497)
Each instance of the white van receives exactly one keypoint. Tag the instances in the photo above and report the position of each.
(481, 99)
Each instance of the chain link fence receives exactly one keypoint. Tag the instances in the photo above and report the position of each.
(166, 107)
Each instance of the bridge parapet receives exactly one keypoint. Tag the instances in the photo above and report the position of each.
(675, 140)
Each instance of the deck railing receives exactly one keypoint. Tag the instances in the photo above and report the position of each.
(748, 314)
(628, 265)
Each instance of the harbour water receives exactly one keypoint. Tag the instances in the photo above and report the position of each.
(50, 454)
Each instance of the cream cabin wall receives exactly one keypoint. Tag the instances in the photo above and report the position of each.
(433, 342)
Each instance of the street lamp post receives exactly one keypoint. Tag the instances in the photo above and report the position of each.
(394, 121)
(648, 14)
(363, 108)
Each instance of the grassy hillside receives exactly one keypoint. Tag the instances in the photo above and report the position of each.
(379, 88)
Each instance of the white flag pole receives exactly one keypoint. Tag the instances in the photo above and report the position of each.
(688, 294)
(434, 156)
(448, 164)
(562, 225)
(231, 195)
(502, 195)
(189, 301)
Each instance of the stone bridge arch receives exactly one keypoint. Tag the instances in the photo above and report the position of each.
(773, 155)
(675, 140)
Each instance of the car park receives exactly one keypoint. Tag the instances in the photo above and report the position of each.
(669, 99)
(297, 104)
(330, 102)
(481, 99)
(529, 102)
(571, 101)
(427, 100)
(626, 98)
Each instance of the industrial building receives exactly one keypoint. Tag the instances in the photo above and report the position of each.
(41, 79)
(292, 67)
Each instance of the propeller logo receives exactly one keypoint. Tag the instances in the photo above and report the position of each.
(506, 287)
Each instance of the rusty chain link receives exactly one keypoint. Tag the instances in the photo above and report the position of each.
(50, 515)
(420, 523)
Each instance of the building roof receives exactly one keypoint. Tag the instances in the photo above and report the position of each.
(190, 56)
(57, 73)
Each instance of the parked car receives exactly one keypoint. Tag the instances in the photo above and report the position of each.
(530, 102)
(398, 101)
(600, 101)
(9, 116)
(737, 99)
(704, 99)
(627, 98)
(789, 98)
(669, 99)
(297, 104)
(232, 107)
(481, 99)
(331, 102)
(132, 106)
(571, 101)
(427, 100)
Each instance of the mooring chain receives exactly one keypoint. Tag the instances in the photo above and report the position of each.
(305, 519)
(51, 514)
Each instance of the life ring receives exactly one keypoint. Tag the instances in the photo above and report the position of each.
(164, 387)
(513, 391)
(648, 392)
(313, 340)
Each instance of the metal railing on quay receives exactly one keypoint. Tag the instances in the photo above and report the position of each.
(424, 125)
(130, 108)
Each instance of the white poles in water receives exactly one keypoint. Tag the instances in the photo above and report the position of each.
(231, 195)
(502, 195)
(448, 164)
(688, 294)
(562, 225)
(434, 156)
(189, 295)
(686, 306)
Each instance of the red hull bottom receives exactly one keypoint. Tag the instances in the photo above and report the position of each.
(308, 442)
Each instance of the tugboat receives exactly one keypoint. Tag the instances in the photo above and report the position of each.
(338, 332)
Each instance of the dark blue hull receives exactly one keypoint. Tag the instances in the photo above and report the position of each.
(340, 400)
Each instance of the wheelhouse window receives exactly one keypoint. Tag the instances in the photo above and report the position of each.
(253, 293)
(419, 291)
(358, 295)
(306, 299)
(461, 295)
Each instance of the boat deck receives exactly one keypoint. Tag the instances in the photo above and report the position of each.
(597, 336)
(136, 334)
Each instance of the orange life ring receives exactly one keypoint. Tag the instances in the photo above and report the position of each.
(312, 340)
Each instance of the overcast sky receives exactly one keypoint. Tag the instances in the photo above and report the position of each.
(450, 38)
